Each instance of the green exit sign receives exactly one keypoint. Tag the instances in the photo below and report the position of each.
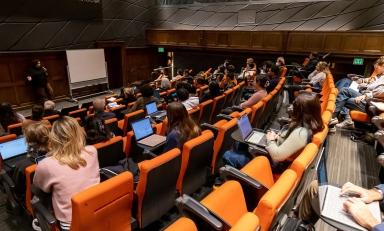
(358, 61)
(160, 49)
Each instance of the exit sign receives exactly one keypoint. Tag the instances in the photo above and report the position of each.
(160, 49)
(358, 61)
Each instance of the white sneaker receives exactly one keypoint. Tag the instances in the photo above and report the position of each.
(346, 124)
(333, 121)
(35, 225)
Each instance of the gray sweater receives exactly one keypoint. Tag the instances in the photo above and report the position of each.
(284, 147)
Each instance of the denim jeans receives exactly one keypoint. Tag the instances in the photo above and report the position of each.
(235, 159)
(346, 98)
(340, 84)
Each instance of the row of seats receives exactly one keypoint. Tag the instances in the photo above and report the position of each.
(233, 201)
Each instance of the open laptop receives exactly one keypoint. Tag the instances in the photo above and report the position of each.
(144, 133)
(14, 148)
(250, 135)
(331, 203)
(153, 112)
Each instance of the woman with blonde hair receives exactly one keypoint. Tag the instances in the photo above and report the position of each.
(69, 168)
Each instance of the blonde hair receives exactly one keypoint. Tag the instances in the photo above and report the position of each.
(66, 141)
(322, 65)
(380, 61)
(37, 135)
(281, 60)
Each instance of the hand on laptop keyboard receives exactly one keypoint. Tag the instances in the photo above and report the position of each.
(349, 189)
(360, 212)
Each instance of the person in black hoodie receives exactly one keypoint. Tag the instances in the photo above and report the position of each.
(37, 78)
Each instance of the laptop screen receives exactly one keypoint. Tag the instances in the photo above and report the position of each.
(151, 108)
(142, 128)
(13, 148)
(244, 126)
(321, 168)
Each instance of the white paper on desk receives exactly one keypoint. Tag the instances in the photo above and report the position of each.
(378, 105)
(354, 86)
(111, 99)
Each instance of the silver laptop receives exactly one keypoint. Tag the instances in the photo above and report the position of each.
(144, 133)
(14, 148)
(250, 135)
(331, 203)
(153, 112)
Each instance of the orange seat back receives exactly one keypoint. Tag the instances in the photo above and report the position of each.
(131, 117)
(227, 202)
(15, 129)
(29, 173)
(205, 111)
(156, 189)
(305, 158)
(106, 206)
(7, 138)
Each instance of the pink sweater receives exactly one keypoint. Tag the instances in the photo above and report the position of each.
(65, 182)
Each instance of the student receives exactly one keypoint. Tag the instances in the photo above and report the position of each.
(49, 108)
(99, 108)
(214, 91)
(355, 206)
(260, 86)
(36, 136)
(37, 115)
(96, 131)
(317, 77)
(273, 75)
(69, 168)
(128, 95)
(146, 96)
(8, 116)
(189, 102)
(229, 80)
(181, 127)
(306, 121)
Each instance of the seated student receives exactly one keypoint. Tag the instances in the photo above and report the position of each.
(189, 102)
(36, 136)
(99, 109)
(306, 121)
(128, 95)
(146, 97)
(179, 75)
(213, 91)
(181, 127)
(96, 132)
(309, 208)
(317, 77)
(69, 168)
(49, 108)
(355, 100)
(37, 115)
(229, 80)
(280, 62)
(200, 82)
(249, 71)
(260, 84)
(8, 116)
(165, 84)
(273, 75)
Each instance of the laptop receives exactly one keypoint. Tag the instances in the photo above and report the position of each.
(331, 203)
(153, 112)
(250, 135)
(14, 148)
(144, 133)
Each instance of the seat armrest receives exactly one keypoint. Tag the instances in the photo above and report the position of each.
(7, 179)
(42, 211)
(224, 117)
(237, 108)
(207, 126)
(106, 173)
(233, 173)
(191, 207)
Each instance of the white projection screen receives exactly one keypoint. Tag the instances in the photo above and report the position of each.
(86, 65)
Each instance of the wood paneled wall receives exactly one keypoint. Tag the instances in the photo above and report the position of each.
(342, 43)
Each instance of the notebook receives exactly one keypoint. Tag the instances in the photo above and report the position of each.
(331, 203)
(248, 134)
(14, 148)
(144, 133)
(152, 110)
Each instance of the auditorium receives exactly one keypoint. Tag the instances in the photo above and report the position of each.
(192, 115)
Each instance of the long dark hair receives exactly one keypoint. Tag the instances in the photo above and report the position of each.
(306, 113)
(7, 115)
(96, 131)
(179, 119)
